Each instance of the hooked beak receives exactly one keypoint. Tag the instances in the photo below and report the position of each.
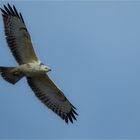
(48, 69)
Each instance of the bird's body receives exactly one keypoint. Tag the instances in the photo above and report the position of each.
(19, 42)
(33, 69)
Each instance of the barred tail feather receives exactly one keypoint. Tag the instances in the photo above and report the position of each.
(10, 74)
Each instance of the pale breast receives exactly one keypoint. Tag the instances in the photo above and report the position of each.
(30, 69)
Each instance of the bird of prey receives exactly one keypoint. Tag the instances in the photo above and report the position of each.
(19, 42)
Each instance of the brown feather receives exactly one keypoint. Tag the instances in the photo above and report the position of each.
(52, 97)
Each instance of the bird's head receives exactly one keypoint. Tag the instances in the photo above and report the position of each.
(45, 68)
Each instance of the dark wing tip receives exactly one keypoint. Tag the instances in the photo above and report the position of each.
(8, 10)
(71, 116)
(3, 12)
(21, 17)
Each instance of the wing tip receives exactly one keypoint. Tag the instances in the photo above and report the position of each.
(9, 10)
(71, 116)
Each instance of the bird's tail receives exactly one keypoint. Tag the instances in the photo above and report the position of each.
(11, 74)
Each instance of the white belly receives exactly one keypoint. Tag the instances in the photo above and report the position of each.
(31, 69)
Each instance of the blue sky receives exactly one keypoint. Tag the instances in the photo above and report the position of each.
(93, 49)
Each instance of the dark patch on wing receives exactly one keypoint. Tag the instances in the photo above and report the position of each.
(23, 28)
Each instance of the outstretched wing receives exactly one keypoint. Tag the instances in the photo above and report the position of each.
(45, 89)
(17, 36)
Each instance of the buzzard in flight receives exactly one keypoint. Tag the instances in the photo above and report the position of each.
(19, 42)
